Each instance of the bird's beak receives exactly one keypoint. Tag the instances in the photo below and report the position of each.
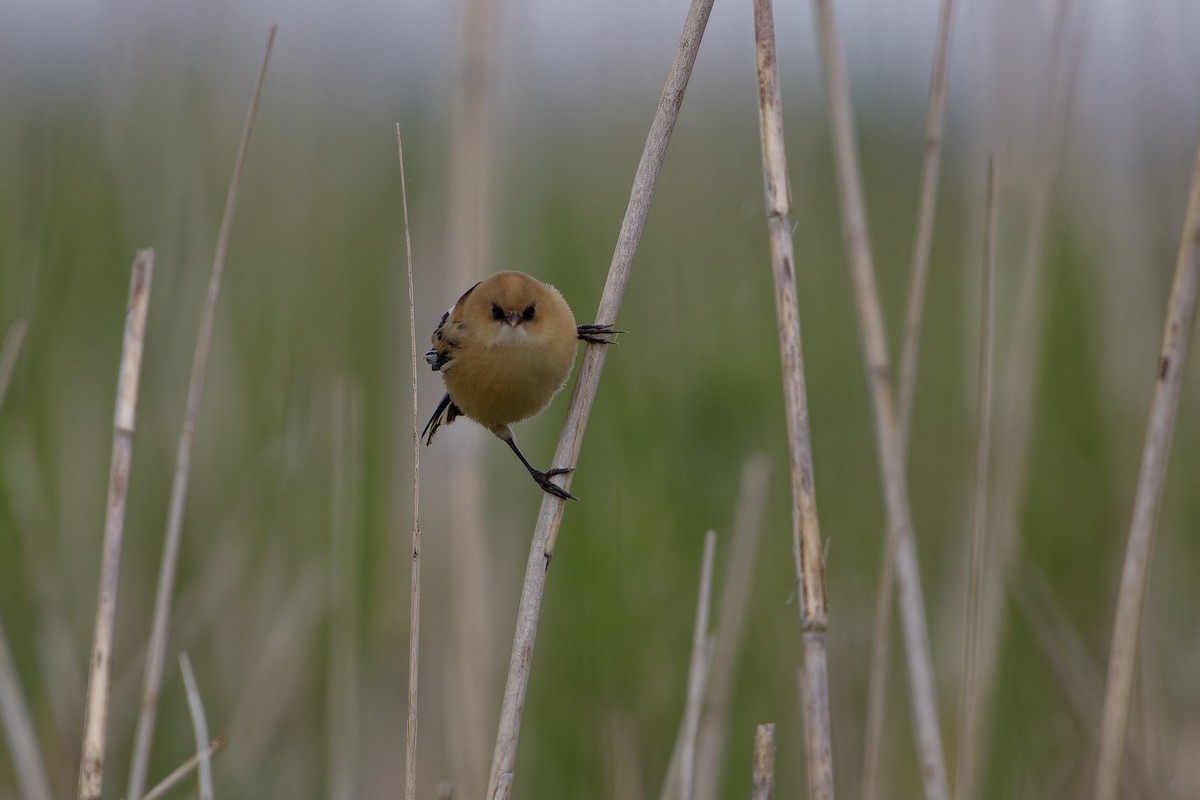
(513, 319)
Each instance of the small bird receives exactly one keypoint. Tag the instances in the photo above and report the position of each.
(504, 350)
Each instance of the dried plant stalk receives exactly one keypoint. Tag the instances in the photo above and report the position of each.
(731, 615)
(913, 318)
(1181, 312)
(923, 695)
(156, 651)
(183, 770)
(95, 720)
(697, 673)
(964, 780)
(579, 408)
(764, 761)
(414, 609)
(199, 727)
(806, 531)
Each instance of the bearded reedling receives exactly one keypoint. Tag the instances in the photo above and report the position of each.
(504, 350)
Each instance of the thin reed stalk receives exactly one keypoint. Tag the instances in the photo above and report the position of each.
(156, 651)
(183, 770)
(541, 550)
(342, 709)
(731, 617)
(414, 609)
(13, 340)
(968, 740)
(806, 532)
(697, 673)
(914, 316)
(95, 719)
(764, 762)
(923, 694)
(199, 727)
(18, 728)
(1181, 312)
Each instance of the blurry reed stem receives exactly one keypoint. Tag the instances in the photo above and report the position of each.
(1181, 309)
(18, 727)
(199, 727)
(731, 616)
(95, 720)
(913, 319)
(183, 770)
(764, 762)
(414, 609)
(541, 549)
(968, 741)
(156, 650)
(806, 531)
(887, 425)
(13, 340)
(697, 673)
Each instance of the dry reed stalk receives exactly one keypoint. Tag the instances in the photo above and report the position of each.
(697, 673)
(1014, 420)
(199, 727)
(342, 699)
(13, 340)
(806, 531)
(887, 425)
(968, 741)
(475, 652)
(18, 727)
(1181, 311)
(914, 316)
(541, 550)
(156, 652)
(183, 770)
(764, 762)
(414, 610)
(731, 616)
(95, 720)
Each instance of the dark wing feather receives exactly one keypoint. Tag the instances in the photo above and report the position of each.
(446, 412)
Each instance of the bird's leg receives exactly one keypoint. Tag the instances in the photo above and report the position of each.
(597, 334)
(543, 478)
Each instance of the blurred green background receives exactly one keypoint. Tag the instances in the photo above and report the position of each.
(118, 130)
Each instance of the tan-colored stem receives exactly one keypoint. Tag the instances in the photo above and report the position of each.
(199, 727)
(414, 609)
(697, 673)
(95, 720)
(922, 691)
(764, 762)
(156, 652)
(913, 318)
(1181, 312)
(183, 770)
(968, 740)
(806, 531)
(579, 408)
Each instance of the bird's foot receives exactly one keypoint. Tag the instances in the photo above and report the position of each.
(597, 334)
(543, 480)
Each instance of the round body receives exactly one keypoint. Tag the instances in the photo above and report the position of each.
(514, 344)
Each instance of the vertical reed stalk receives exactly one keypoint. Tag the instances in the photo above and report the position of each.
(199, 727)
(697, 673)
(968, 741)
(156, 651)
(541, 549)
(764, 762)
(923, 693)
(1181, 312)
(414, 609)
(95, 720)
(913, 319)
(806, 531)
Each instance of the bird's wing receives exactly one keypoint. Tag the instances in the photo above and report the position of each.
(446, 412)
(448, 334)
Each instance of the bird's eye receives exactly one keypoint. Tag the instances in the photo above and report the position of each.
(497, 313)
(530, 310)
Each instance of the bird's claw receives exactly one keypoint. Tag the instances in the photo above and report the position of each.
(543, 480)
(597, 334)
